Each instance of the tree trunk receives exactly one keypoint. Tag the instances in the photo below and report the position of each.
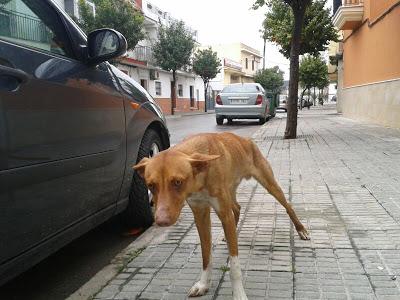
(265, 42)
(298, 8)
(173, 92)
(314, 97)
(205, 95)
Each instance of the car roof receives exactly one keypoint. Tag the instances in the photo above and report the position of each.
(243, 83)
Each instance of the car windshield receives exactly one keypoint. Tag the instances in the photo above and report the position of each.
(241, 88)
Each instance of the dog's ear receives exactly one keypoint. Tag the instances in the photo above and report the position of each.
(141, 166)
(200, 162)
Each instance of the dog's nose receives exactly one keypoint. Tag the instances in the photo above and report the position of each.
(163, 218)
(163, 223)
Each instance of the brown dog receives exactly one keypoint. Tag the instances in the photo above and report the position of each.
(205, 171)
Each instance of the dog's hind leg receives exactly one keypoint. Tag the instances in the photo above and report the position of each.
(263, 173)
(203, 224)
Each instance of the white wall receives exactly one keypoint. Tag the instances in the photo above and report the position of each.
(377, 103)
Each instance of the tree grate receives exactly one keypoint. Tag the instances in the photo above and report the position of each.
(280, 137)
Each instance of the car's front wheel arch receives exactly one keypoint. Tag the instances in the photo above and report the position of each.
(139, 212)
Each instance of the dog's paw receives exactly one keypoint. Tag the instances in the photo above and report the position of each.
(239, 295)
(198, 289)
(303, 234)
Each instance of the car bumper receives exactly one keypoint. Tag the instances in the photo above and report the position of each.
(240, 111)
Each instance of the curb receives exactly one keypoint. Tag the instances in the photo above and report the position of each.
(98, 281)
(188, 114)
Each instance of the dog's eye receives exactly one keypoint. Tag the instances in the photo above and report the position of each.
(177, 182)
(151, 187)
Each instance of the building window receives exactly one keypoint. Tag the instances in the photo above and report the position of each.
(247, 63)
(180, 90)
(252, 65)
(158, 88)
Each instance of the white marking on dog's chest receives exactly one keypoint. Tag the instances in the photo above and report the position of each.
(203, 197)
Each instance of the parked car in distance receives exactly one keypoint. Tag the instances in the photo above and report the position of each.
(305, 103)
(282, 103)
(71, 128)
(242, 101)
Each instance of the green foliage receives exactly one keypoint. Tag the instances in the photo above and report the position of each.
(317, 31)
(271, 79)
(313, 72)
(206, 64)
(174, 47)
(4, 2)
(116, 14)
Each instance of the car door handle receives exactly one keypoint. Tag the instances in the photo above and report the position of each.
(11, 78)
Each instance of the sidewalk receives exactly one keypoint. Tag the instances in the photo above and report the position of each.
(343, 179)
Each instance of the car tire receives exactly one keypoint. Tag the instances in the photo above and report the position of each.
(139, 212)
(219, 120)
(262, 120)
(230, 121)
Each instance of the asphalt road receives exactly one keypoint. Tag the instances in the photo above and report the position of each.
(68, 269)
(187, 125)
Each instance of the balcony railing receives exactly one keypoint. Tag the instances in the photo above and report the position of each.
(353, 2)
(142, 53)
(338, 3)
(23, 27)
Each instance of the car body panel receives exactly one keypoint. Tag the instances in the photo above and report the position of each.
(69, 136)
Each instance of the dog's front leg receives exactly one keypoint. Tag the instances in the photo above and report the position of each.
(203, 224)
(228, 223)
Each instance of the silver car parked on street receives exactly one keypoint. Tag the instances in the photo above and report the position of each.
(242, 101)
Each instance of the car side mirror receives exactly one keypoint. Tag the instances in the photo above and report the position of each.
(104, 44)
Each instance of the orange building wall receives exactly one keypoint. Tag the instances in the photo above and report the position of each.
(377, 7)
(372, 54)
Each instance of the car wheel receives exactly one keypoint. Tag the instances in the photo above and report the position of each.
(220, 120)
(262, 120)
(230, 121)
(139, 212)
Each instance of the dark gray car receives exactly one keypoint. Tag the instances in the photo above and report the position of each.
(71, 128)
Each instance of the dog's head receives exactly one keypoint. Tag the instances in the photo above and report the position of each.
(172, 176)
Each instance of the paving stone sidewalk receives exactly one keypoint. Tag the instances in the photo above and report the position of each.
(343, 179)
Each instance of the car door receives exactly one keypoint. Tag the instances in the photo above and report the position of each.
(62, 130)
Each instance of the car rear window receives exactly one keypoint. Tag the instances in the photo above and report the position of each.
(241, 88)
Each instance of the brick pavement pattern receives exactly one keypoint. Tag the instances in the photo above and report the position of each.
(343, 179)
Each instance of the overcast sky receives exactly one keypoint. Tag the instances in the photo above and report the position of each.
(225, 21)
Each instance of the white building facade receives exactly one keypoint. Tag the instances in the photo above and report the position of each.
(140, 65)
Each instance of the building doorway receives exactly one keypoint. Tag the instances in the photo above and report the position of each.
(143, 83)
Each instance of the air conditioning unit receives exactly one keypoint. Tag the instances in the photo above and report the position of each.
(154, 75)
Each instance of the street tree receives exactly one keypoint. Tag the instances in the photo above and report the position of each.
(298, 27)
(207, 65)
(173, 50)
(271, 79)
(116, 14)
(313, 72)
